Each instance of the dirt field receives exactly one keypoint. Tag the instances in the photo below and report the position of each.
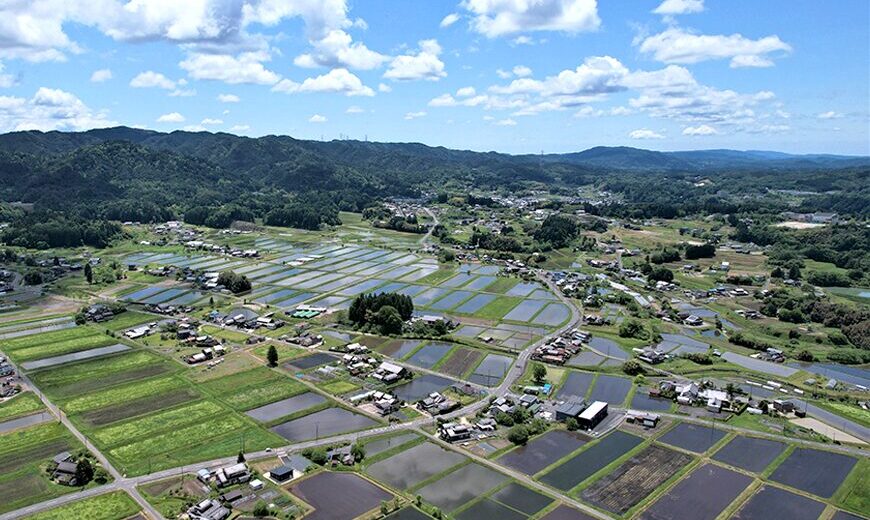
(632, 481)
(828, 431)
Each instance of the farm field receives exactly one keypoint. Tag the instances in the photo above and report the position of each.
(357, 495)
(692, 437)
(23, 455)
(542, 451)
(416, 464)
(111, 506)
(22, 404)
(702, 495)
(749, 453)
(589, 461)
(634, 479)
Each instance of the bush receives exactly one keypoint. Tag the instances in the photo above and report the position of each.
(805, 355)
(632, 367)
(234, 282)
(572, 424)
(632, 329)
(519, 434)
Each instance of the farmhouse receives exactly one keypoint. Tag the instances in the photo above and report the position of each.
(650, 420)
(389, 372)
(209, 509)
(231, 475)
(593, 415)
(65, 473)
(570, 409)
(452, 432)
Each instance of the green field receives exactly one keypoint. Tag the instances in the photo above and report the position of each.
(111, 506)
(124, 393)
(24, 403)
(127, 320)
(55, 343)
(81, 378)
(23, 456)
(153, 424)
(498, 307)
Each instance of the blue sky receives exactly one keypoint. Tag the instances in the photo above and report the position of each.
(514, 76)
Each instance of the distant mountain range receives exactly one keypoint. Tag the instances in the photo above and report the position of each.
(235, 151)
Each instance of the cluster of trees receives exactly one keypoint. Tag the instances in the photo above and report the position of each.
(658, 273)
(235, 282)
(694, 252)
(49, 229)
(664, 256)
(557, 231)
(386, 312)
(308, 214)
(632, 328)
(491, 241)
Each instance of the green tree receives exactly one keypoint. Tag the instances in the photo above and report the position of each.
(89, 273)
(272, 356)
(358, 452)
(539, 373)
(389, 320)
(632, 367)
(518, 434)
(240, 458)
(572, 424)
(84, 471)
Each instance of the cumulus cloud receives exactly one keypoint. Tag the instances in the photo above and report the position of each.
(246, 67)
(676, 45)
(521, 71)
(210, 121)
(101, 75)
(506, 122)
(424, 65)
(317, 118)
(645, 133)
(239, 128)
(172, 117)
(337, 49)
(151, 79)
(228, 98)
(415, 115)
(587, 112)
(700, 130)
(180, 92)
(674, 7)
(337, 81)
(466, 91)
(494, 18)
(49, 109)
(383, 87)
(449, 20)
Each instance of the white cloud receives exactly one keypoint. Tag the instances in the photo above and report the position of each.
(183, 92)
(151, 79)
(337, 80)
(246, 67)
(424, 65)
(465, 92)
(620, 111)
(239, 128)
(194, 128)
(49, 109)
(494, 18)
(503, 74)
(337, 49)
(830, 115)
(228, 98)
(101, 75)
(6, 80)
(700, 130)
(415, 115)
(676, 45)
(673, 7)
(521, 71)
(506, 122)
(587, 112)
(354, 110)
(383, 87)
(209, 121)
(645, 133)
(317, 118)
(523, 40)
(172, 117)
(449, 20)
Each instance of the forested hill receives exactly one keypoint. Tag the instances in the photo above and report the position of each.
(213, 179)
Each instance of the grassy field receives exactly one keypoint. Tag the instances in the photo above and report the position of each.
(285, 352)
(54, 343)
(498, 307)
(111, 506)
(502, 285)
(127, 320)
(153, 424)
(854, 494)
(123, 393)
(22, 404)
(82, 378)
(23, 456)
(228, 335)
